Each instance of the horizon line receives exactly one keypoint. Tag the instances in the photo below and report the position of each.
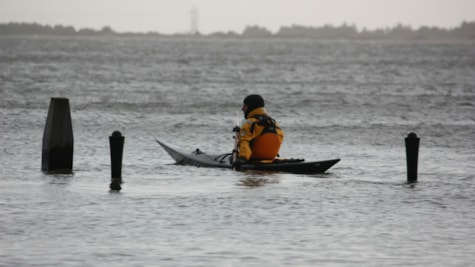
(344, 24)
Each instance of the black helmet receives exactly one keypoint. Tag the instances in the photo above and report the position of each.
(253, 102)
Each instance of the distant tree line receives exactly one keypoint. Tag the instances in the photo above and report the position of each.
(466, 31)
(37, 29)
(350, 32)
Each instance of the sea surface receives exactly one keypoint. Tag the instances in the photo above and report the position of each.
(356, 101)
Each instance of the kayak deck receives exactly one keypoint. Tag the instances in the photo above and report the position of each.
(200, 159)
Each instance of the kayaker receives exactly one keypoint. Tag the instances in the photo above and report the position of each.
(259, 136)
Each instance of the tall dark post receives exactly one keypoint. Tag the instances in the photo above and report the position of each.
(412, 155)
(58, 141)
(116, 142)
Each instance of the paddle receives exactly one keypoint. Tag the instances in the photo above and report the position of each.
(236, 130)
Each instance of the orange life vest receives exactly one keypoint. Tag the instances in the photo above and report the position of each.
(267, 144)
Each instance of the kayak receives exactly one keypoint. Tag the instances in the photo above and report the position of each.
(200, 159)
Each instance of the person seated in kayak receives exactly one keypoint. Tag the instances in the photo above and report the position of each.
(260, 136)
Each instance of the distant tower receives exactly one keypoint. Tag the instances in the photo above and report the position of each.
(194, 21)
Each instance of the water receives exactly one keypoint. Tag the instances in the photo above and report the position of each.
(355, 101)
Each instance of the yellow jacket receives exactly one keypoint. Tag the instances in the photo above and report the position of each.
(258, 141)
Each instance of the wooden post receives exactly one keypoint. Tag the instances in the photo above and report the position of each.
(58, 141)
(412, 155)
(116, 142)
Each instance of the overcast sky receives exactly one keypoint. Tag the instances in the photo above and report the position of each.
(174, 16)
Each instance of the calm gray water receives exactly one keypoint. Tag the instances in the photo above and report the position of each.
(355, 101)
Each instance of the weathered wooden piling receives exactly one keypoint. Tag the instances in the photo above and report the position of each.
(116, 142)
(58, 140)
(412, 155)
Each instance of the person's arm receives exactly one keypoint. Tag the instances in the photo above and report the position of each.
(245, 136)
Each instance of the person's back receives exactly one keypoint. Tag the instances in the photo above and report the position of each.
(260, 136)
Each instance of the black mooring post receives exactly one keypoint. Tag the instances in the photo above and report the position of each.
(412, 155)
(116, 141)
(58, 141)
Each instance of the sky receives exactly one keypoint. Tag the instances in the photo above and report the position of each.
(175, 16)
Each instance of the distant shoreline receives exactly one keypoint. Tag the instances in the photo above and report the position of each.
(466, 31)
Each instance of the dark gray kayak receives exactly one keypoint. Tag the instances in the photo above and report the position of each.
(200, 159)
